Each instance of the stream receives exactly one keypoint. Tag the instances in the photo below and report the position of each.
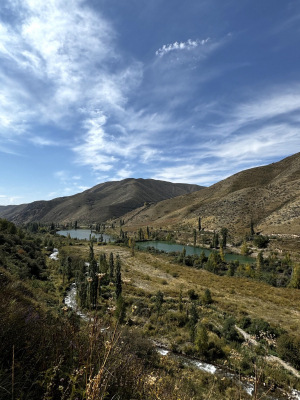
(70, 301)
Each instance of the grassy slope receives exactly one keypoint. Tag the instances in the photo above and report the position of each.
(238, 296)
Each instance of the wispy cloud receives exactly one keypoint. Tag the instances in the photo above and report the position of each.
(190, 44)
(7, 200)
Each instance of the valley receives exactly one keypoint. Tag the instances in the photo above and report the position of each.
(209, 277)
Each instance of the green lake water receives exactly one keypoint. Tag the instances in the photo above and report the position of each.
(190, 250)
(83, 234)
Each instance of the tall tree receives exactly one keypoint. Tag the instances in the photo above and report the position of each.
(202, 340)
(224, 234)
(195, 236)
(91, 251)
(215, 240)
(199, 224)
(159, 299)
(111, 266)
(118, 277)
(94, 282)
(193, 321)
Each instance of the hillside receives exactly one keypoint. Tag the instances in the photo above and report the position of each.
(104, 201)
(267, 195)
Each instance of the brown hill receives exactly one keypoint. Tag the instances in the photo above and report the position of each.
(269, 195)
(98, 204)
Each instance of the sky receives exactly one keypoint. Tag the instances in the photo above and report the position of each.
(99, 90)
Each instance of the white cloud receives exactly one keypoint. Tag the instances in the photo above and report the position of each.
(59, 47)
(40, 141)
(190, 44)
(83, 188)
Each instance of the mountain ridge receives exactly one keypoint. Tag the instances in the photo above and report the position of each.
(267, 195)
(97, 204)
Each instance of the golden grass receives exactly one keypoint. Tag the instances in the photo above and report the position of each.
(238, 296)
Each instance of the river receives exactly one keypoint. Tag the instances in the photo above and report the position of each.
(84, 234)
(190, 250)
(70, 301)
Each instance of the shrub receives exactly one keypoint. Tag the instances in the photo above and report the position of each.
(207, 299)
(177, 317)
(192, 294)
(288, 348)
(261, 241)
(229, 332)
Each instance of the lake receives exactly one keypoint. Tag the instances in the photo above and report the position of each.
(190, 250)
(84, 234)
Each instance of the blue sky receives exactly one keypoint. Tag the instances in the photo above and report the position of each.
(98, 90)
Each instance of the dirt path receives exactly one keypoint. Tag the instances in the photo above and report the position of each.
(272, 359)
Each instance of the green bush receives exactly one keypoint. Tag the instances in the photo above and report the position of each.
(261, 241)
(288, 348)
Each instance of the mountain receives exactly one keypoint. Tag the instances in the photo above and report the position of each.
(268, 195)
(98, 204)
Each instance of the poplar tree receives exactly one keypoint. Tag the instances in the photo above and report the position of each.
(195, 236)
(94, 283)
(159, 299)
(91, 251)
(202, 340)
(118, 277)
(199, 224)
(224, 233)
(193, 322)
(111, 266)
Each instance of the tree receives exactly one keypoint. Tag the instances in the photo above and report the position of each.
(120, 312)
(261, 241)
(75, 225)
(118, 277)
(224, 234)
(140, 235)
(252, 227)
(193, 321)
(231, 269)
(259, 261)
(295, 280)
(207, 297)
(91, 251)
(222, 255)
(68, 267)
(148, 233)
(81, 284)
(215, 240)
(131, 244)
(180, 305)
(103, 263)
(195, 236)
(93, 282)
(159, 299)
(202, 257)
(111, 266)
(199, 224)
(244, 248)
(288, 348)
(229, 332)
(201, 341)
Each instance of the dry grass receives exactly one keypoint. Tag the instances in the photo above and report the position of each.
(238, 296)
